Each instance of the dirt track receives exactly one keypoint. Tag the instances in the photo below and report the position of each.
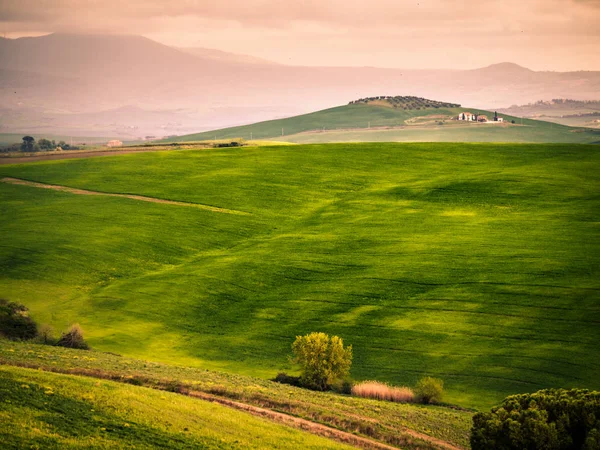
(317, 428)
(142, 198)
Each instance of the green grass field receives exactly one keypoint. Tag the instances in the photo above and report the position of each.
(476, 263)
(358, 123)
(51, 411)
(455, 132)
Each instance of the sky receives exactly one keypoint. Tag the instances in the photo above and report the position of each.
(561, 35)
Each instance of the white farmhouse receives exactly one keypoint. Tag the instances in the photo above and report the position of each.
(467, 116)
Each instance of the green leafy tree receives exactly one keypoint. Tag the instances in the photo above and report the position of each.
(429, 390)
(28, 144)
(551, 419)
(46, 144)
(324, 360)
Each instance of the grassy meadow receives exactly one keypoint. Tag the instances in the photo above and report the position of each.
(52, 411)
(455, 132)
(475, 263)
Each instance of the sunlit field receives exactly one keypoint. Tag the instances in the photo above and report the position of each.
(474, 263)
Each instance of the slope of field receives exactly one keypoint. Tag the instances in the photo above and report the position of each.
(477, 263)
(43, 410)
(362, 122)
(392, 423)
(455, 132)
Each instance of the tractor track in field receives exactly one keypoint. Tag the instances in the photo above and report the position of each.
(317, 428)
(77, 191)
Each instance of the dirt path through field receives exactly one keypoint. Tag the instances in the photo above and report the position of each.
(142, 198)
(317, 428)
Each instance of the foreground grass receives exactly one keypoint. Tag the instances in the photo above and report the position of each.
(380, 420)
(51, 411)
(477, 264)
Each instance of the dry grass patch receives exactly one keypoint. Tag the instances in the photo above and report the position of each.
(382, 391)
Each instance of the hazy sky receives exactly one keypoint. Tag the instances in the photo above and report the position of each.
(539, 34)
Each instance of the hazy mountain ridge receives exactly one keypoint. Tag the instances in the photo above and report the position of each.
(94, 73)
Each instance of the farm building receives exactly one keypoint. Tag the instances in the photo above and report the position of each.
(114, 143)
(470, 117)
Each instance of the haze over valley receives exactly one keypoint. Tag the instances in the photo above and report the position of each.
(133, 87)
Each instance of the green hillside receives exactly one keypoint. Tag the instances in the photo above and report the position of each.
(383, 421)
(366, 120)
(50, 411)
(477, 263)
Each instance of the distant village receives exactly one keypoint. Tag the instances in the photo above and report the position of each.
(470, 117)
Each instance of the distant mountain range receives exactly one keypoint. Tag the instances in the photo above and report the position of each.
(68, 83)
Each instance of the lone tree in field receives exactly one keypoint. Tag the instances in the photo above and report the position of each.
(429, 390)
(28, 144)
(324, 359)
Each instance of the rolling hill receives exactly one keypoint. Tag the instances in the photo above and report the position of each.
(397, 119)
(476, 263)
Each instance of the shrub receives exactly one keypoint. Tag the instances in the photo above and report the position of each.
(284, 378)
(344, 387)
(73, 338)
(552, 419)
(382, 391)
(323, 359)
(46, 334)
(429, 390)
(15, 322)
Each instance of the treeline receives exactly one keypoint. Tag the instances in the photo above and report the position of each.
(556, 103)
(30, 145)
(571, 102)
(407, 102)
